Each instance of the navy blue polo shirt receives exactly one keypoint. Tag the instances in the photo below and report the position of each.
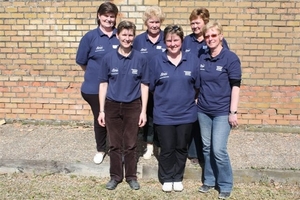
(215, 90)
(191, 44)
(124, 75)
(92, 47)
(174, 89)
(145, 46)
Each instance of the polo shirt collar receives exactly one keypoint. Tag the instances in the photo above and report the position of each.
(195, 39)
(160, 38)
(165, 57)
(103, 34)
(208, 57)
(130, 56)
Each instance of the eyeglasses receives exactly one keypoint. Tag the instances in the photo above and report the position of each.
(175, 28)
(212, 36)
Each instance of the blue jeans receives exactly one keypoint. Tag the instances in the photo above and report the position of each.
(217, 167)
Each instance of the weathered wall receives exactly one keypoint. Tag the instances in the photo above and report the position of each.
(39, 79)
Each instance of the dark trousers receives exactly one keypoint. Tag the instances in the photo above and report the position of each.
(174, 141)
(100, 132)
(121, 121)
(148, 130)
(195, 147)
(149, 133)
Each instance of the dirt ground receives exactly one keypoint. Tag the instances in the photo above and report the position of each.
(248, 149)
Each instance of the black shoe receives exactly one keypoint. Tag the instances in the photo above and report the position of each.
(224, 195)
(112, 184)
(205, 188)
(133, 184)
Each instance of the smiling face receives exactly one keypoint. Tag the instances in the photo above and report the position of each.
(126, 37)
(197, 25)
(173, 43)
(153, 25)
(213, 38)
(107, 20)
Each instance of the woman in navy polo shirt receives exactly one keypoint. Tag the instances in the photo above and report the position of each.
(220, 78)
(93, 46)
(123, 95)
(174, 76)
(195, 43)
(150, 43)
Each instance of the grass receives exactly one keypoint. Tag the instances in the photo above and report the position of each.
(59, 186)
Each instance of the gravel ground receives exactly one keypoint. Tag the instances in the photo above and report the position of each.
(262, 150)
(75, 144)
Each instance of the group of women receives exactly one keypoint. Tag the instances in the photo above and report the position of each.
(184, 80)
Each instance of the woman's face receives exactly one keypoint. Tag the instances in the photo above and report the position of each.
(173, 43)
(126, 37)
(107, 20)
(153, 25)
(197, 25)
(213, 38)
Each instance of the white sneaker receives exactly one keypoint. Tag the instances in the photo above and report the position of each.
(177, 186)
(149, 152)
(98, 158)
(167, 187)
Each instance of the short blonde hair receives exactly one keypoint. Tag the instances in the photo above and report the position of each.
(213, 24)
(153, 11)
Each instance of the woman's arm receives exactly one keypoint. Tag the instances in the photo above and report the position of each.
(144, 98)
(235, 93)
(102, 96)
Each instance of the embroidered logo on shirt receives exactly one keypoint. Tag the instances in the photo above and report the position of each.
(219, 68)
(134, 71)
(115, 46)
(163, 49)
(144, 50)
(99, 48)
(114, 71)
(163, 75)
(187, 73)
(158, 47)
(204, 47)
(187, 50)
(202, 67)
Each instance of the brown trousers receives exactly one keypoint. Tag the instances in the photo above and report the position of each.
(122, 129)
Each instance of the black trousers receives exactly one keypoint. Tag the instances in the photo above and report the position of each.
(174, 141)
(100, 132)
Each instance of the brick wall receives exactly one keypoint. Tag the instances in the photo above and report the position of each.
(39, 79)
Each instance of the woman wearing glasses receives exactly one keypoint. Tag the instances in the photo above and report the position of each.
(220, 79)
(174, 76)
(195, 44)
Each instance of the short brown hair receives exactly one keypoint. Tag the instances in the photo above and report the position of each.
(105, 8)
(203, 13)
(174, 29)
(126, 25)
